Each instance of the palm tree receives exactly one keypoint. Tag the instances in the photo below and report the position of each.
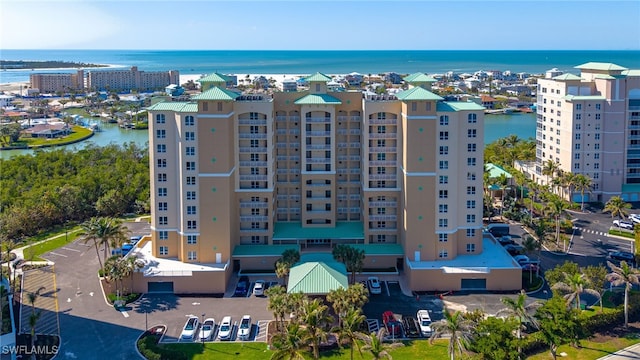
(531, 246)
(317, 321)
(348, 329)
(352, 258)
(457, 328)
(556, 207)
(617, 207)
(582, 183)
(104, 231)
(340, 302)
(627, 276)
(288, 344)
(550, 168)
(34, 316)
(574, 285)
(277, 304)
(282, 270)
(519, 309)
(114, 270)
(374, 343)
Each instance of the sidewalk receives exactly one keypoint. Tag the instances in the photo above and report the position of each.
(631, 352)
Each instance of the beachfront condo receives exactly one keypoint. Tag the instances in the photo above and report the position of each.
(238, 178)
(590, 124)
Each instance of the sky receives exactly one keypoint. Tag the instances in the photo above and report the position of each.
(320, 25)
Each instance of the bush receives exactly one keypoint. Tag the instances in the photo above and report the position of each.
(149, 347)
(126, 298)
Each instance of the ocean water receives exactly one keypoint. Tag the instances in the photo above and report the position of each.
(330, 62)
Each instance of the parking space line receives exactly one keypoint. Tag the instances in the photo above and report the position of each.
(70, 249)
(53, 253)
(261, 332)
(387, 287)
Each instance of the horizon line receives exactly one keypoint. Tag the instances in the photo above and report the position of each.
(336, 50)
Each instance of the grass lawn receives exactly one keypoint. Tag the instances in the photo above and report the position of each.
(591, 349)
(78, 133)
(36, 250)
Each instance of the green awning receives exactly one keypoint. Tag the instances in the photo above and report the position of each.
(262, 250)
(630, 188)
(380, 249)
(295, 231)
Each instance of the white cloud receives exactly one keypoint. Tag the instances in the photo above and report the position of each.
(52, 25)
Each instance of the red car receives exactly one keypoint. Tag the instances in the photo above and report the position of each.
(392, 322)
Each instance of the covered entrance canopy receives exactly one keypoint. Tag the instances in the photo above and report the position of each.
(351, 232)
(317, 274)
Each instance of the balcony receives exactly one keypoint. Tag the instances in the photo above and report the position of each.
(253, 163)
(249, 230)
(348, 158)
(383, 163)
(377, 217)
(245, 149)
(382, 121)
(355, 118)
(319, 198)
(318, 184)
(318, 147)
(390, 204)
(281, 118)
(253, 177)
(318, 133)
(382, 176)
(254, 218)
(376, 230)
(253, 98)
(288, 210)
(252, 136)
(382, 135)
(349, 132)
(253, 205)
(383, 149)
(318, 120)
(349, 171)
(318, 161)
(252, 122)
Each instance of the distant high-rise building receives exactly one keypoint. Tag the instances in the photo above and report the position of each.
(132, 79)
(57, 82)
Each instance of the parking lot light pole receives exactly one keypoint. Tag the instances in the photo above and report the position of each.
(201, 328)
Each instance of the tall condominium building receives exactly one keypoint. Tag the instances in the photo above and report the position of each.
(132, 79)
(239, 178)
(54, 82)
(590, 124)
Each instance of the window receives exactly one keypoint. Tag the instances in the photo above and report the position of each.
(191, 165)
(382, 156)
(444, 150)
(472, 118)
(443, 208)
(162, 163)
(443, 254)
(443, 223)
(255, 239)
(443, 164)
(192, 239)
(191, 180)
(471, 248)
(205, 106)
(162, 206)
(471, 204)
(577, 146)
(161, 134)
(576, 166)
(428, 106)
(191, 210)
(596, 146)
(192, 255)
(444, 120)
(191, 195)
(164, 250)
(596, 166)
(578, 106)
(190, 151)
(163, 235)
(192, 224)
(162, 191)
(414, 106)
(189, 136)
(596, 156)
(597, 136)
(471, 232)
(381, 170)
(253, 129)
(382, 224)
(382, 143)
(576, 156)
(471, 133)
(253, 143)
(219, 105)
(596, 176)
(471, 176)
(381, 211)
(443, 194)
(578, 126)
(471, 147)
(578, 116)
(255, 225)
(161, 148)
(578, 136)
(443, 237)
(444, 135)
(471, 218)
(443, 179)
(163, 220)
(471, 190)
(597, 106)
(162, 177)
(160, 119)
(189, 121)
(471, 161)
(381, 238)
(382, 129)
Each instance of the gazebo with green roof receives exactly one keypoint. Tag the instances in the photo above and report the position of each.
(317, 274)
(420, 79)
(211, 80)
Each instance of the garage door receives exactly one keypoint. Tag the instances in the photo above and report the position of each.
(474, 284)
(160, 287)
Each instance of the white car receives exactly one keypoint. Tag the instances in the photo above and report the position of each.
(424, 320)
(374, 285)
(244, 332)
(623, 224)
(190, 328)
(207, 329)
(258, 288)
(635, 218)
(225, 329)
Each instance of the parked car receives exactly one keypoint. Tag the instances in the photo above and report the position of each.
(392, 323)
(134, 239)
(207, 329)
(424, 320)
(506, 240)
(514, 249)
(224, 333)
(622, 256)
(126, 248)
(190, 328)
(623, 224)
(244, 332)
(498, 229)
(532, 266)
(374, 285)
(635, 218)
(522, 259)
(243, 286)
(258, 288)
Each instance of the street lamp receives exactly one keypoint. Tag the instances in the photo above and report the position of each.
(201, 328)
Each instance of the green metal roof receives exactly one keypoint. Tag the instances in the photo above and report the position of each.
(380, 249)
(600, 66)
(318, 99)
(318, 77)
(214, 78)
(417, 93)
(605, 77)
(630, 188)
(567, 77)
(419, 78)
(317, 274)
(217, 93)
(444, 106)
(262, 250)
(583, 97)
(174, 106)
(496, 171)
(342, 230)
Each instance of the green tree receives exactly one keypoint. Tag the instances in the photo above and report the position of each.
(627, 276)
(114, 270)
(574, 285)
(531, 246)
(617, 207)
(583, 183)
(494, 339)
(352, 258)
(558, 273)
(556, 208)
(105, 232)
(34, 316)
(557, 324)
(277, 304)
(282, 270)
(348, 331)
(521, 312)
(374, 343)
(457, 328)
(288, 344)
(550, 168)
(317, 321)
(597, 278)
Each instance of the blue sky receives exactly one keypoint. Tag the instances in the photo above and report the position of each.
(322, 25)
